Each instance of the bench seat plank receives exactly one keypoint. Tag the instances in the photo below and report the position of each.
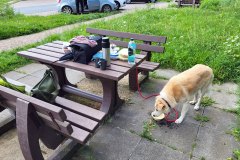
(81, 109)
(80, 121)
(148, 66)
(80, 135)
(63, 127)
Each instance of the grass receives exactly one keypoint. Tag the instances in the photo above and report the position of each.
(156, 76)
(147, 127)
(201, 118)
(207, 101)
(191, 40)
(18, 25)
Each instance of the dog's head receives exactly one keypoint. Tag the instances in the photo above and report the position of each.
(160, 107)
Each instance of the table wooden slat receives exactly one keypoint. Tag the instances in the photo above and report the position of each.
(47, 53)
(114, 67)
(109, 74)
(38, 57)
(58, 50)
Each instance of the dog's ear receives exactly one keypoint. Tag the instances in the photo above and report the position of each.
(158, 103)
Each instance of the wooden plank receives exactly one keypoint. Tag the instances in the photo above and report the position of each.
(63, 127)
(80, 109)
(114, 75)
(144, 47)
(80, 135)
(44, 52)
(37, 57)
(47, 48)
(39, 105)
(150, 63)
(55, 45)
(113, 67)
(143, 37)
(80, 121)
(58, 42)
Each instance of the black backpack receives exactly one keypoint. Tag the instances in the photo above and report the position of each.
(83, 53)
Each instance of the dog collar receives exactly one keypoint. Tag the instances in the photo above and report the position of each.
(167, 103)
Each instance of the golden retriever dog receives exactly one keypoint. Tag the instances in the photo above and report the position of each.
(180, 89)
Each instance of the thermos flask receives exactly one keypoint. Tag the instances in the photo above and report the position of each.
(106, 50)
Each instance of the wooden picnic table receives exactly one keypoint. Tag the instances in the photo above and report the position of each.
(49, 55)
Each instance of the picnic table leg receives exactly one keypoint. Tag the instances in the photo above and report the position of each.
(133, 80)
(27, 129)
(111, 99)
(61, 75)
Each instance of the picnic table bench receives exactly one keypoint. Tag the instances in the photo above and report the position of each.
(53, 123)
(147, 45)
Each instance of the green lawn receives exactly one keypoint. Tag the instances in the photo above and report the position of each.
(19, 25)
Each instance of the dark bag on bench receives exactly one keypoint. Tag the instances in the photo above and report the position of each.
(83, 53)
(47, 89)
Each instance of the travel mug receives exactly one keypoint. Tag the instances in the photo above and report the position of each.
(97, 63)
(103, 64)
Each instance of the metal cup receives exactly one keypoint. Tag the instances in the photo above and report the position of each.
(103, 64)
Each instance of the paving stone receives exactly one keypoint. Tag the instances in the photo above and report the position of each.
(14, 75)
(12, 149)
(109, 144)
(29, 80)
(214, 145)
(220, 120)
(31, 68)
(146, 150)
(166, 73)
(223, 100)
(230, 88)
(74, 76)
(39, 73)
(180, 137)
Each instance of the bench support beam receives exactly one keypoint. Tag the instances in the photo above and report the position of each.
(111, 100)
(27, 129)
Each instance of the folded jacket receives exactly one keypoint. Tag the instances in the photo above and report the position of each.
(83, 40)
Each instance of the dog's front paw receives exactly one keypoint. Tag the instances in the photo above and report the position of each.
(193, 102)
(196, 107)
(178, 121)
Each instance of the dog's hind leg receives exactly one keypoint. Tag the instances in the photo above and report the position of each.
(201, 94)
(183, 113)
(194, 101)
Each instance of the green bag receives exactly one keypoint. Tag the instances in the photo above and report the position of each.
(5, 83)
(47, 89)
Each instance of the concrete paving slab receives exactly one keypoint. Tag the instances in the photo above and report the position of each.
(14, 75)
(223, 100)
(74, 76)
(147, 150)
(214, 145)
(39, 73)
(31, 68)
(109, 143)
(166, 73)
(180, 137)
(219, 120)
(12, 149)
(29, 80)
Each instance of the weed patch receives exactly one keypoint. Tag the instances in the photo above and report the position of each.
(207, 101)
(201, 118)
(147, 127)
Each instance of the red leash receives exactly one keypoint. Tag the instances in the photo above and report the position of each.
(154, 95)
